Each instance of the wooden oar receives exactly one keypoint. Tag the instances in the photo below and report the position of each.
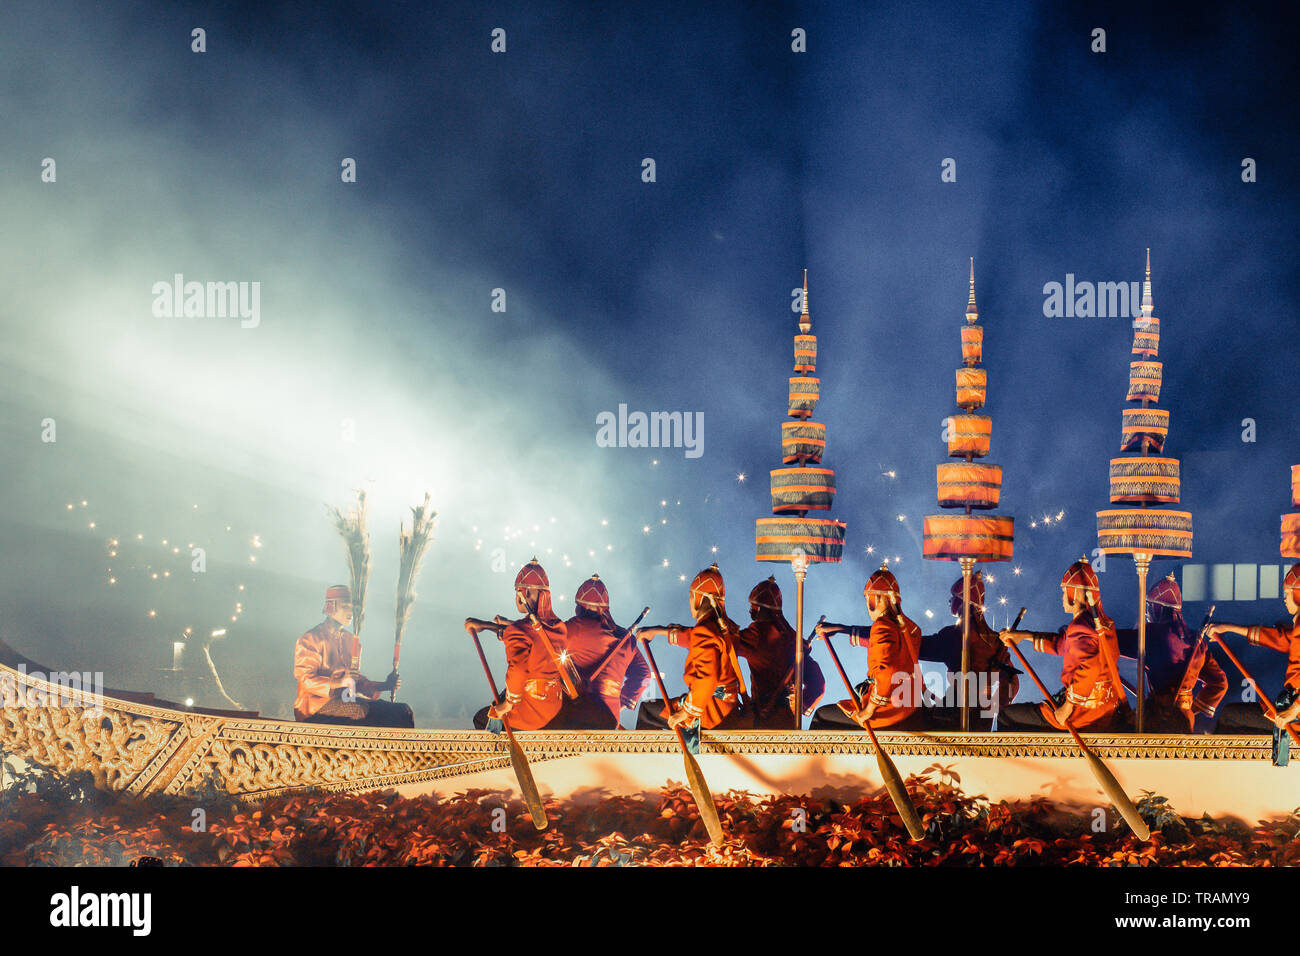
(694, 776)
(1269, 711)
(523, 772)
(893, 779)
(1109, 784)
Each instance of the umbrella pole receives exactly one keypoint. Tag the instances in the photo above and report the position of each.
(799, 574)
(1143, 562)
(967, 565)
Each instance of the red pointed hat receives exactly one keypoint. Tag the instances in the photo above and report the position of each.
(976, 589)
(766, 594)
(1292, 581)
(1081, 575)
(532, 575)
(709, 582)
(592, 594)
(882, 582)
(1166, 593)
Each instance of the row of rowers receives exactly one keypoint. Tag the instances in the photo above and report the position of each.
(581, 673)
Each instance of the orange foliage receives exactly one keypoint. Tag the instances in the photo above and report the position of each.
(62, 825)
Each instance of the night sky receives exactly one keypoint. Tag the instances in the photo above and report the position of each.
(522, 171)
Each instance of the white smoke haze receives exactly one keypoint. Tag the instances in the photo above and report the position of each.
(156, 415)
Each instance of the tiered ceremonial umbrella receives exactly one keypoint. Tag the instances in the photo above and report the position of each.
(1291, 522)
(793, 536)
(967, 538)
(1143, 477)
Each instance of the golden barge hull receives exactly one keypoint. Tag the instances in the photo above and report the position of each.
(144, 748)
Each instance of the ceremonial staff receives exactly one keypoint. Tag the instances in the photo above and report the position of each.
(411, 548)
(1269, 711)
(1104, 777)
(694, 776)
(523, 772)
(351, 527)
(893, 779)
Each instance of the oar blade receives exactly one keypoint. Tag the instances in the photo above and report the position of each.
(703, 798)
(1117, 795)
(527, 785)
(898, 793)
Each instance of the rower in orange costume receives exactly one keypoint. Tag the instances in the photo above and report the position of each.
(534, 693)
(990, 660)
(892, 694)
(1091, 695)
(1284, 637)
(768, 646)
(1187, 683)
(614, 675)
(714, 686)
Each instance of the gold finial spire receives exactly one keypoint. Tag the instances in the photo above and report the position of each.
(972, 313)
(805, 320)
(1148, 306)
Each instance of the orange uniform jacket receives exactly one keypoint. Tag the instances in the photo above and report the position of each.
(1085, 675)
(1284, 638)
(321, 659)
(625, 676)
(892, 655)
(710, 669)
(532, 678)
